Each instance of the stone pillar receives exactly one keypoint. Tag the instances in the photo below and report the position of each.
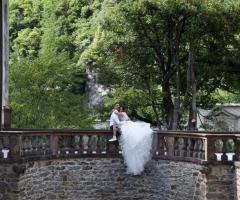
(4, 37)
(237, 180)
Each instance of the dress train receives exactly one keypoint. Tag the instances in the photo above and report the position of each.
(136, 142)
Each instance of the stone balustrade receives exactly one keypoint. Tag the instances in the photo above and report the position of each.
(197, 147)
(90, 167)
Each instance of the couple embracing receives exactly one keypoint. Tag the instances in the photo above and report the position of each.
(118, 118)
(135, 140)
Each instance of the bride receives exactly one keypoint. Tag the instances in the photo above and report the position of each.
(136, 141)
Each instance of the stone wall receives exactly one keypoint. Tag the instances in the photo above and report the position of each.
(106, 178)
(9, 176)
(220, 183)
(96, 179)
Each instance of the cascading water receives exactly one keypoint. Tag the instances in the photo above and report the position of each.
(95, 90)
(95, 93)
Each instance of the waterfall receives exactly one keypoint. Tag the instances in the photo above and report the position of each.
(94, 90)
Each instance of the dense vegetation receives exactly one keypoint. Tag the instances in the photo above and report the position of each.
(160, 58)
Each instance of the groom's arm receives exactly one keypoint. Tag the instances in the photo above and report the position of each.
(117, 121)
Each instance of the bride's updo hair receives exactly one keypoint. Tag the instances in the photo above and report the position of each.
(121, 108)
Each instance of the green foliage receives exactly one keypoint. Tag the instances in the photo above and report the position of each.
(46, 86)
(139, 44)
(41, 95)
(133, 100)
(138, 49)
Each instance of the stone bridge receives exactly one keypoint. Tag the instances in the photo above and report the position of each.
(81, 164)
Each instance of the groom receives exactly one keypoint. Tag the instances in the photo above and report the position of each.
(115, 124)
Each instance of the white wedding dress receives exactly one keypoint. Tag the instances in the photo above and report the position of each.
(136, 142)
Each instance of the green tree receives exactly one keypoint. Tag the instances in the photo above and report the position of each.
(167, 45)
(45, 82)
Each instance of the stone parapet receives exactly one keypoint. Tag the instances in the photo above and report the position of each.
(94, 179)
(106, 178)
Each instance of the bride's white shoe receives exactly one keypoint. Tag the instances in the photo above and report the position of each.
(113, 139)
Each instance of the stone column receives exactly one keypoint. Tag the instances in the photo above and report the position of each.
(237, 180)
(4, 36)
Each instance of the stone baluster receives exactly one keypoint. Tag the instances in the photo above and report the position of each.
(46, 145)
(176, 147)
(16, 146)
(54, 144)
(185, 147)
(1, 147)
(89, 144)
(210, 149)
(195, 148)
(98, 150)
(85, 143)
(182, 148)
(179, 147)
(203, 149)
(236, 157)
(76, 144)
(155, 144)
(161, 145)
(42, 143)
(231, 148)
(64, 145)
(190, 147)
(71, 148)
(200, 149)
(80, 144)
(5, 143)
(93, 143)
(27, 146)
(24, 145)
(224, 156)
(171, 142)
(35, 144)
(104, 144)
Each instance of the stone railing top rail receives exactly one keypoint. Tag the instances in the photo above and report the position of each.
(193, 146)
(72, 130)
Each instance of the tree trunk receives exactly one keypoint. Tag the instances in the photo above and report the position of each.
(154, 107)
(176, 112)
(168, 105)
(192, 121)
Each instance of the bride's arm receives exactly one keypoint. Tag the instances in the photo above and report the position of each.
(126, 116)
(117, 113)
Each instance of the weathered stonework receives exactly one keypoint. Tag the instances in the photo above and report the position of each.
(220, 183)
(9, 178)
(237, 180)
(106, 178)
(91, 179)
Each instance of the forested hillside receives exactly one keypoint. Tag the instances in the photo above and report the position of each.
(46, 84)
(161, 59)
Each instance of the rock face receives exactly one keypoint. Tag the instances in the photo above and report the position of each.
(106, 178)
